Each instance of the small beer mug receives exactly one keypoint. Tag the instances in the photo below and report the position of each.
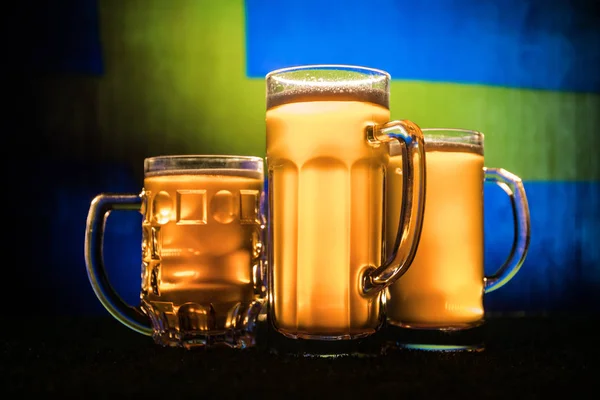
(201, 250)
(438, 303)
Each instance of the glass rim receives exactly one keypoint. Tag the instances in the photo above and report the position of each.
(337, 80)
(453, 135)
(183, 162)
(333, 67)
(230, 157)
(454, 132)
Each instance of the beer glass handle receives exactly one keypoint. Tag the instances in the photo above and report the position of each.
(513, 187)
(99, 210)
(410, 137)
(260, 268)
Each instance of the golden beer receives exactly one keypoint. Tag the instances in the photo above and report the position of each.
(444, 285)
(200, 232)
(316, 149)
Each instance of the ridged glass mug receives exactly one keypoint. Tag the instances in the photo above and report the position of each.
(202, 242)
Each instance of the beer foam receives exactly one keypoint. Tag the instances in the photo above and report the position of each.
(440, 145)
(335, 92)
(216, 172)
(433, 145)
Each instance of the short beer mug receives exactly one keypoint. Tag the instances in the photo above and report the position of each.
(201, 250)
(438, 303)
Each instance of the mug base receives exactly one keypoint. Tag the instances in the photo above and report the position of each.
(457, 338)
(195, 326)
(193, 340)
(277, 343)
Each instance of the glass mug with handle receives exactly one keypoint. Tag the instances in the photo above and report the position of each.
(327, 126)
(438, 303)
(201, 250)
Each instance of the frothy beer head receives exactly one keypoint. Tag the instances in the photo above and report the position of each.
(327, 83)
(216, 172)
(437, 143)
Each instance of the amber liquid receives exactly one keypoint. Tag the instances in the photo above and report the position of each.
(444, 285)
(326, 202)
(201, 232)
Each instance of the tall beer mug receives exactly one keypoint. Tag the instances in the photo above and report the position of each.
(327, 129)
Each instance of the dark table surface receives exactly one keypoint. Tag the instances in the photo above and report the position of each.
(99, 357)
